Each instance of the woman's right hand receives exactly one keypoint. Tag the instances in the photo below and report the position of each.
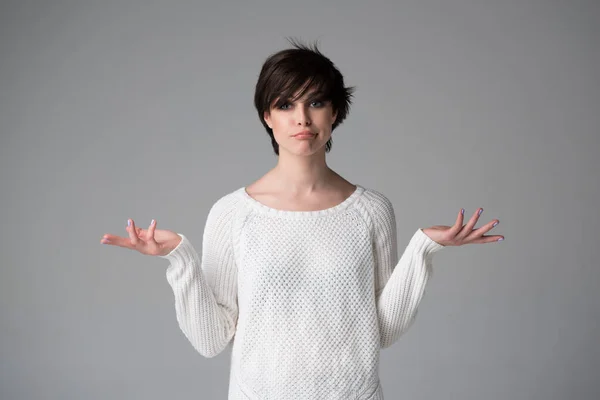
(151, 241)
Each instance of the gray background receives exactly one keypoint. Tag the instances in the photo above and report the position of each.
(142, 109)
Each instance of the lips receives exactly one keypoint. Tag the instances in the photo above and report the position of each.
(304, 134)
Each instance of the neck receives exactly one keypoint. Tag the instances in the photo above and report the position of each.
(302, 174)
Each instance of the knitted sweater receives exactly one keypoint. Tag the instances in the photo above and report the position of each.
(306, 298)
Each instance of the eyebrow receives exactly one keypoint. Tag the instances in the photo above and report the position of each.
(320, 95)
(312, 96)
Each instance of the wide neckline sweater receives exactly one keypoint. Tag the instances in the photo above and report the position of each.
(306, 298)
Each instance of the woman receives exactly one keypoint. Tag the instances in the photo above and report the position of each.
(300, 268)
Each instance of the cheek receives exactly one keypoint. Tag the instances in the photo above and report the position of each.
(285, 122)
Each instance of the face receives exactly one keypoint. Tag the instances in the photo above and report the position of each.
(311, 113)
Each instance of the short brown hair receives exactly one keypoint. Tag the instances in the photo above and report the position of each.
(298, 69)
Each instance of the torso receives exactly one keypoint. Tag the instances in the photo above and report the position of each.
(265, 193)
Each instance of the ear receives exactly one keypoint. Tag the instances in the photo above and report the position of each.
(267, 118)
(334, 117)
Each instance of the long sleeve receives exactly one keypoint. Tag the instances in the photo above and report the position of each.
(206, 291)
(399, 284)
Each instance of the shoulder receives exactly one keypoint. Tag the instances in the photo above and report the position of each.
(227, 206)
(377, 204)
(377, 210)
(230, 198)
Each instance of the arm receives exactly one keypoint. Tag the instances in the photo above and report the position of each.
(206, 291)
(399, 284)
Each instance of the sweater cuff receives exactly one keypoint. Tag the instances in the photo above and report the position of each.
(184, 253)
(422, 243)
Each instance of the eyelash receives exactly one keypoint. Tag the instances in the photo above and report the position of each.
(315, 101)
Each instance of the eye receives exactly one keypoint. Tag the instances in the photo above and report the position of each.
(314, 104)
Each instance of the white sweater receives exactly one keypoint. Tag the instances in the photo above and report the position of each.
(308, 297)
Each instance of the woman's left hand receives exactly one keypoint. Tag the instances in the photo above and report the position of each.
(457, 235)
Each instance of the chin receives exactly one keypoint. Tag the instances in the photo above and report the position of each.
(305, 150)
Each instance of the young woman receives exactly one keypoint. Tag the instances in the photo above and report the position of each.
(300, 269)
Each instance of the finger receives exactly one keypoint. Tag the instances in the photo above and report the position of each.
(475, 218)
(116, 241)
(107, 238)
(132, 233)
(480, 231)
(468, 229)
(151, 230)
(488, 239)
(459, 222)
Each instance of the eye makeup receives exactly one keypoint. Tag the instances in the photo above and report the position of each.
(312, 97)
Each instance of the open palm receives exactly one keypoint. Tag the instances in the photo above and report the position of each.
(151, 241)
(458, 235)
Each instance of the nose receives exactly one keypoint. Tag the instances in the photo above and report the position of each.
(301, 116)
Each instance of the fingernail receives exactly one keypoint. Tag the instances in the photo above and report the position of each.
(152, 222)
(480, 211)
(500, 239)
(495, 223)
(128, 222)
(462, 211)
